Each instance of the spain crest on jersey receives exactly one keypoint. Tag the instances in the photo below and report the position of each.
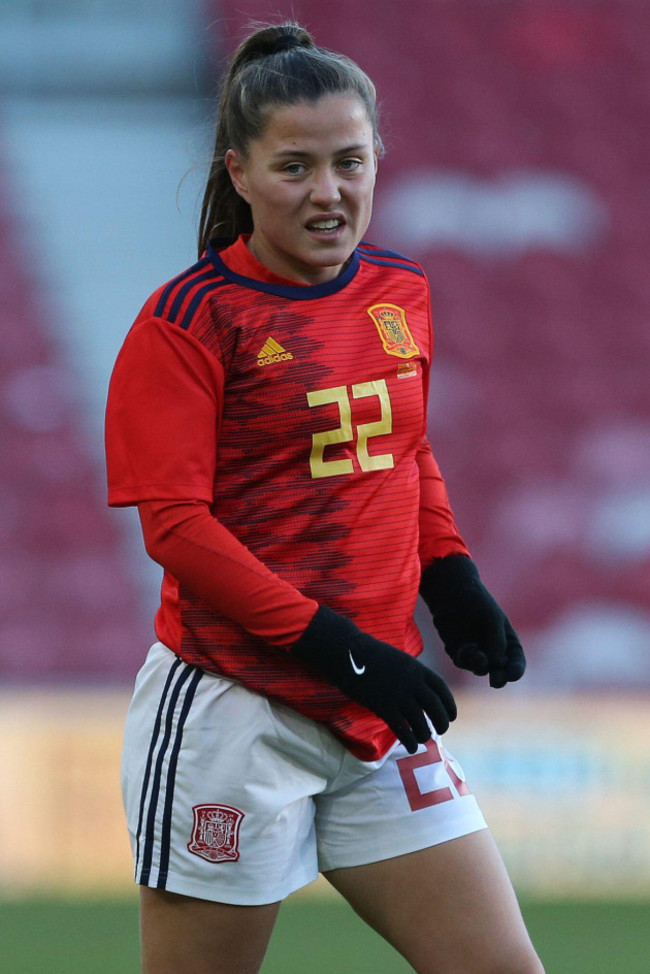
(393, 330)
(215, 833)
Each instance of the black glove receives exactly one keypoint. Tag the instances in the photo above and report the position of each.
(476, 633)
(386, 680)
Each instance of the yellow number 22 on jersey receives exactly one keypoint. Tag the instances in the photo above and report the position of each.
(345, 431)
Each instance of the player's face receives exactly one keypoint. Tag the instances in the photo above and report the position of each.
(309, 180)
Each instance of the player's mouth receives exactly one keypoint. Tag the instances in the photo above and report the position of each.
(326, 226)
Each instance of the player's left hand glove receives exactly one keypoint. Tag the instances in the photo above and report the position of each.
(476, 633)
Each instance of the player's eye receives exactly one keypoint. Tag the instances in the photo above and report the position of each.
(294, 168)
(350, 165)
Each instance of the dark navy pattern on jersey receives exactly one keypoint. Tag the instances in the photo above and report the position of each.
(319, 416)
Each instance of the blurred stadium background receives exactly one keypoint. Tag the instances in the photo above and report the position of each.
(518, 152)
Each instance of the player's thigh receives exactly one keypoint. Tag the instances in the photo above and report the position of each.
(183, 935)
(449, 909)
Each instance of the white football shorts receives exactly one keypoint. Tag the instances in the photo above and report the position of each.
(234, 798)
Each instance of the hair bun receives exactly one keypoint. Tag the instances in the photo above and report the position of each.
(285, 42)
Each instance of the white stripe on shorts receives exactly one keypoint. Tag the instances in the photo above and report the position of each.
(194, 740)
(153, 837)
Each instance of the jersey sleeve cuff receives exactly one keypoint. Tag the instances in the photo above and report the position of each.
(130, 496)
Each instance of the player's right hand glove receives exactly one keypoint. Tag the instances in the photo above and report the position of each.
(392, 684)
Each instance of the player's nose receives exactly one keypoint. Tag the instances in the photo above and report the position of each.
(325, 189)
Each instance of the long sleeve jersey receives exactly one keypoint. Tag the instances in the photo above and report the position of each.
(273, 435)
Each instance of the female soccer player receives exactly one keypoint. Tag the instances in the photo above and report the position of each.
(267, 416)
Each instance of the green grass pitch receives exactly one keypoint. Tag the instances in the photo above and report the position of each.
(319, 936)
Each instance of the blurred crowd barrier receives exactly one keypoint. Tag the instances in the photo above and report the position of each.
(61, 821)
(564, 783)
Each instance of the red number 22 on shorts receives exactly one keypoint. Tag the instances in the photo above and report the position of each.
(419, 799)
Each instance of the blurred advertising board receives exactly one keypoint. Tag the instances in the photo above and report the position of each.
(61, 821)
(564, 782)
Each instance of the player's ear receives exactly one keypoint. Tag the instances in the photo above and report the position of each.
(237, 173)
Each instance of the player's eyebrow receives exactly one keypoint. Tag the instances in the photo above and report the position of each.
(301, 154)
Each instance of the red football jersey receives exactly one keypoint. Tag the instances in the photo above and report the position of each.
(298, 414)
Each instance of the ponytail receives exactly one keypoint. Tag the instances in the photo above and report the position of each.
(274, 66)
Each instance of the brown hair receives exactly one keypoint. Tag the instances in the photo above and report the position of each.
(275, 65)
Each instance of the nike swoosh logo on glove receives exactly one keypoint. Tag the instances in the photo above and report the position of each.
(359, 670)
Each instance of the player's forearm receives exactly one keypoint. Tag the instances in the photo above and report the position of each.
(204, 556)
(439, 535)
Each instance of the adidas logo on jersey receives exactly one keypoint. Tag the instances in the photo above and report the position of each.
(272, 352)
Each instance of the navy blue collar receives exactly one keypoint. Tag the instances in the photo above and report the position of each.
(300, 292)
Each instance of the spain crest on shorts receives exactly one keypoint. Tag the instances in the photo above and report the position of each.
(393, 330)
(215, 833)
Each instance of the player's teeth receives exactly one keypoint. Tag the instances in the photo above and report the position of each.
(325, 224)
